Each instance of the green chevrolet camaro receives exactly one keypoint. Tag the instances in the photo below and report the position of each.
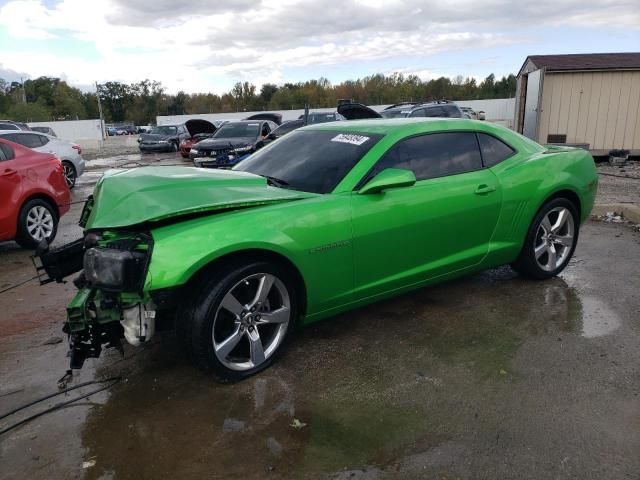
(328, 218)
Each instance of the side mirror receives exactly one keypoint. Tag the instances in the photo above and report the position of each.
(389, 178)
(271, 136)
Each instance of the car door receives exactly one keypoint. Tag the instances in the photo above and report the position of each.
(10, 190)
(443, 223)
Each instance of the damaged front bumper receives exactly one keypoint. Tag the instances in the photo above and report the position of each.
(96, 319)
(113, 300)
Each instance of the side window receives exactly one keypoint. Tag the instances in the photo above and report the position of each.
(8, 126)
(265, 130)
(43, 139)
(6, 152)
(12, 137)
(434, 112)
(434, 155)
(421, 112)
(493, 150)
(30, 140)
(451, 111)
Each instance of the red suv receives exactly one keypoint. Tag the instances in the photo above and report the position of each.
(33, 195)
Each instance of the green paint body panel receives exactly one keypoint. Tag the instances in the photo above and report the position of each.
(153, 194)
(349, 248)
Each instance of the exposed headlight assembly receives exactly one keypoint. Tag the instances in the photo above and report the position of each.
(193, 150)
(115, 270)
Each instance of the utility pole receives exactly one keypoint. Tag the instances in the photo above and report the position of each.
(24, 93)
(100, 112)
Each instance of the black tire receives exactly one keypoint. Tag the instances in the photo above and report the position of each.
(70, 174)
(195, 321)
(23, 237)
(526, 264)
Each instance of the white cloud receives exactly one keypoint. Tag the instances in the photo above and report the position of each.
(205, 45)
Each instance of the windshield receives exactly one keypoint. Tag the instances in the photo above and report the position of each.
(164, 130)
(311, 161)
(239, 129)
(395, 113)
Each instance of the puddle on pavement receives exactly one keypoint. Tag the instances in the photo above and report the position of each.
(371, 386)
(598, 318)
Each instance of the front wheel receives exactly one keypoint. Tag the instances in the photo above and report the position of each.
(551, 240)
(240, 320)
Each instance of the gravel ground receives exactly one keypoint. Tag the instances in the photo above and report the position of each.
(619, 184)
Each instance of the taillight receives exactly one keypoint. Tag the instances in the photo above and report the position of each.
(77, 147)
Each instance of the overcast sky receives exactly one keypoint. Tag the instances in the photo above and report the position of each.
(202, 45)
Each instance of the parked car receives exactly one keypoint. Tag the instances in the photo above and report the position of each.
(112, 131)
(126, 130)
(163, 138)
(33, 194)
(198, 129)
(46, 130)
(233, 142)
(11, 125)
(286, 127)
(442, 108)
(328, 218)
(70, 154)
(322, 117)
(273, 117)
(469, 112)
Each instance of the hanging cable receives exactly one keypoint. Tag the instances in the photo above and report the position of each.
(111, 382)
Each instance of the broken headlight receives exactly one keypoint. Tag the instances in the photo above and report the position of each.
(114, 270)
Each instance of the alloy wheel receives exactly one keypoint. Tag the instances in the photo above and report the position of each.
(69, 174)
(39, 223)
(251, 321)
(554, 239)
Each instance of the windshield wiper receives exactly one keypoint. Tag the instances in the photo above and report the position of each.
(276, 182)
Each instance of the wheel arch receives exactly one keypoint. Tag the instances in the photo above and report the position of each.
(566, 193)
(44, 197)
(252, 255)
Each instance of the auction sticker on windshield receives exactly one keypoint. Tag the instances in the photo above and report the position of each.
(350, 138)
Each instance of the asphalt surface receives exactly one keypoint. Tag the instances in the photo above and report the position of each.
(490, 376)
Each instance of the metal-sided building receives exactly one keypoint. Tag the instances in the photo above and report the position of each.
(592, 100)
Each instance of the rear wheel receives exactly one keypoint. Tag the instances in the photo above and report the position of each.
(69, 173)
(551, 240)
(37, 221)
(240, 320)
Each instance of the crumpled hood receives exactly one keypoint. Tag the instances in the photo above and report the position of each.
(223, 143)
(152, 194)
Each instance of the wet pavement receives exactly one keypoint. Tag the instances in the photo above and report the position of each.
(490, 376)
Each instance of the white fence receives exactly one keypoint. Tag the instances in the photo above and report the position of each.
(86, 133)
(499, 110)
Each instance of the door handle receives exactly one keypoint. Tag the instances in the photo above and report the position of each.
(9, 171)
(484, 189)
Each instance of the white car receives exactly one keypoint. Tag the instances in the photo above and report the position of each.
(70, 154)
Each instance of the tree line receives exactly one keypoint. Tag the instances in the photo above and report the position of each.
(49, 98)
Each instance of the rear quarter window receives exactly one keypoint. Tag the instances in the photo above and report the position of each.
(493, 150)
